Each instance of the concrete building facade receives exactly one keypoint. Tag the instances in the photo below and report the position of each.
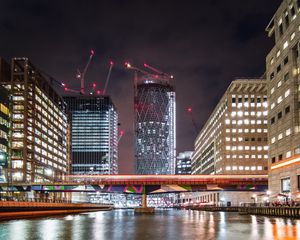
(234, 138)
(283, 69)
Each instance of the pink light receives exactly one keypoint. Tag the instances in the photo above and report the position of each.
(92, 52)
(98, 92)
(111, 62)
(66, 89)
(189, 109)
(145, 65)
(94, 85)
(122, 132)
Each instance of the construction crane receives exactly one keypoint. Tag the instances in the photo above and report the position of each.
(111, 64)
(158, 71)
(121, 134)
(82, 75)
(190, 111)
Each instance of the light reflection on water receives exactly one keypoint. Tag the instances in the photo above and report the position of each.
(165, 224)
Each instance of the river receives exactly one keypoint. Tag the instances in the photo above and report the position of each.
(163, 225)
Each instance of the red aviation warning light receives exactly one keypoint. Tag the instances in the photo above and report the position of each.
(189, 110)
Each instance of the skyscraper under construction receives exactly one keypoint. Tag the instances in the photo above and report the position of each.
(155, 125)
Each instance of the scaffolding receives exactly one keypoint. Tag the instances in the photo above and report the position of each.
(155, 125)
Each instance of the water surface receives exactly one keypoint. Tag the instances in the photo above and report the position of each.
(164, 225)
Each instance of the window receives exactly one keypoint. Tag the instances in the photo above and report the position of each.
(273, 139)
(286, 60)
(285, 45)
(271, 75)
(280, 157)
(279, 115)
(278, 69)
(286, 77)
(286, 185)
(272, 120)
(273, 159)
(287, 110)
(288, 154)
(287, 93)
(272, 90)
(288, 132)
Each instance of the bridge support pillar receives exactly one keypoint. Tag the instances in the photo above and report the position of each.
(144, 208)
(144, 200)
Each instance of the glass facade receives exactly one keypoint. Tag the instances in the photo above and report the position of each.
(155, 145)
(94, 134)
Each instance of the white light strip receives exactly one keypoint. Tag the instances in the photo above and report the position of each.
(286, 163)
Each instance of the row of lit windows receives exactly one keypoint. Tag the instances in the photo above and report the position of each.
(247, 156)
(246, 113)
(280, 136)
(4, 109)
(280, 98)
(3, 121)
(246, 104)
(240, 148)
(246, 168)
(245, 121)
(246, 130)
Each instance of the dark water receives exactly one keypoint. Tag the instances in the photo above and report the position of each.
(165, 224)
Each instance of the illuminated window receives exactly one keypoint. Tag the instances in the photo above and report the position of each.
(228, 168)
(280, 136)
(288, 154)
(287, 93)
(273, 139)
(279, 84)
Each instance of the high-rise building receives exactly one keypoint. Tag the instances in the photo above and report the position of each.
(183, 163)
(5, 117)
(283, 69)
(4, 133)
(234, 138)
(94, 134)
(155, 129)
(39, 148)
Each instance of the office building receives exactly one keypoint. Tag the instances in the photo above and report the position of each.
(183, 163)
(39, 148)
(234, 138)
(94, 134)
(4, 133)
(155, 124)
(283, 71)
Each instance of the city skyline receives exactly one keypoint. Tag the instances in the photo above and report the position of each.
(185, 41)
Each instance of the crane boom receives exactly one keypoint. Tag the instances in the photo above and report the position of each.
(129, 66)
(82, 75)
(157, 71)
(108, 77)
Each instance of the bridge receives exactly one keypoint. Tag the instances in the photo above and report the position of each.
(146, 184)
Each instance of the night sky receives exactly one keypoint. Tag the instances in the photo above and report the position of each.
(204, 44)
